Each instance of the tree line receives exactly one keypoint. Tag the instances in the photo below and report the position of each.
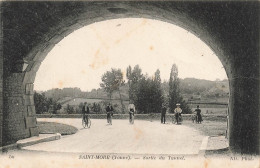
(145, 91)
(188, 87)
(44, 104)
(148, 93)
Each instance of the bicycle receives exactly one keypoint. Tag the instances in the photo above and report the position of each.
(177, 119)
(194, 118)
(131, 119)
(109, 120)
(86, 123)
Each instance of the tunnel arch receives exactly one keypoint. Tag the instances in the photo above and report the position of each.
(216, 24)
(40, 51)
(40, 56)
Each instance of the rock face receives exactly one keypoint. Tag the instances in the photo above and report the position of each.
(31, 29)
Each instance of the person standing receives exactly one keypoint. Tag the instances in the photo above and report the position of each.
(178, 112)
(194, 116)
(198, 113)
(109, 110)
(85, 112)
(163, 113)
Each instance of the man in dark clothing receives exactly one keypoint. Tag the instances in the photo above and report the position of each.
(109, 110)
(163, 112)
(198, 113)
(85, 112)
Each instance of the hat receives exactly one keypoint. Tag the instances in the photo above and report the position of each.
(178, 104)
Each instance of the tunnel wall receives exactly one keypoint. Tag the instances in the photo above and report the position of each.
(230, 29)
(1, 76)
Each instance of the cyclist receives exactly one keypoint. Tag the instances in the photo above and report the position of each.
(131, 109)
(109, 110)
(85, 112)
(178, 112)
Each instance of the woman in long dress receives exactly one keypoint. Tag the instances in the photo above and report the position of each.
(178, 112)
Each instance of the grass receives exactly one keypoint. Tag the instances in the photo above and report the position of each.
(209, 128)
(51, 127)
(213, 111)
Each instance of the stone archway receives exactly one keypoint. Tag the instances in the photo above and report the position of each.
(31, 30)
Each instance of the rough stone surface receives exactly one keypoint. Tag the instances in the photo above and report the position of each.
(29, 89)
(29, 77)
(31, 111)
(216, 143)
(1, 78)
(30, 122)
(231, 29)
(34, 131)
(28, 100)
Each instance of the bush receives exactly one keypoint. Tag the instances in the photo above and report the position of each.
(69, 109)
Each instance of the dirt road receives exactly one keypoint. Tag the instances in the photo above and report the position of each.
(144, 137)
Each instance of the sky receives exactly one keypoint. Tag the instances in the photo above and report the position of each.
(80, 59)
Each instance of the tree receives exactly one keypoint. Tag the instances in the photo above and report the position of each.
(173, 88)
(174, 92)
(112, 81)
(44, 104)
(69, 109)
(148, 95)
(133, 76)
(130, 78)
(144, 95)
(158, 92)
(50, 105)
(96, 107)
(157, 77)
(58, 107)
(40, 103)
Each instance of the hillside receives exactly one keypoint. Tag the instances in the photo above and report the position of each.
(191, 88)
(65, 94)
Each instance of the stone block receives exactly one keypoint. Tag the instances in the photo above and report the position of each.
(40, 55)
(25, 133)
(29, 89)
(75, 26)
(31, 111)
(36, 66)
(33, 66)
(50, 46)
(29, 77)
(30, 122)
(34, 131)
(28, 100)
(37, 57)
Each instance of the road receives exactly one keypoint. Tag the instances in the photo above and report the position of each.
(144, 137)
(142, 142)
